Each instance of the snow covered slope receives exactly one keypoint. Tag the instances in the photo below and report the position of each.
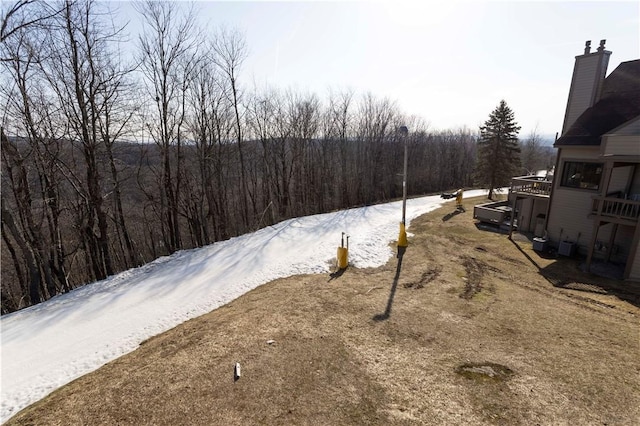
(48, 345)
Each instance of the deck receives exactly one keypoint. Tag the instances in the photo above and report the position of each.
(532, 186)
(618, 210)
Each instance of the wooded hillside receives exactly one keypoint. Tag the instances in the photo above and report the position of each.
(108, 163)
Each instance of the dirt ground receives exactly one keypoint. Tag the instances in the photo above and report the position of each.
(467, 327)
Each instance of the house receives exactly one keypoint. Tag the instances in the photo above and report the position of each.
(592, 206)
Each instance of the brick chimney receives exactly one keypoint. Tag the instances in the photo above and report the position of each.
(589, 72)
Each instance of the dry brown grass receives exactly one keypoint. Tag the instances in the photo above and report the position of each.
(466, 328)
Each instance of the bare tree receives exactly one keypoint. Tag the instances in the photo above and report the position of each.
(29, 163)
(29, 251)
(210, 120)
(376, 122)
(303, 117)
(339, 128)
(534, 154)
(229, 52)
(118, 109)
(78, 70)
(278, 152)
(167, 56)
(24, 14)
(261, 127)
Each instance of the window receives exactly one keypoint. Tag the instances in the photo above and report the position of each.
(578, 174)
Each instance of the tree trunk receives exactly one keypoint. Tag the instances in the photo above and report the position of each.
(34, 271)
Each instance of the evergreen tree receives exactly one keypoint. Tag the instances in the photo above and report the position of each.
(498, 150)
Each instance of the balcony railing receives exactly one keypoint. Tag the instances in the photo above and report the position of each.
(614, 207)
(534, 185)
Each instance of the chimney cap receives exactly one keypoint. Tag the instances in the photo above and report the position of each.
(601, 47)
(587, 47)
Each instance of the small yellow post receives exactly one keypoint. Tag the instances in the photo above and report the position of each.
(402, 238)
(343, 257)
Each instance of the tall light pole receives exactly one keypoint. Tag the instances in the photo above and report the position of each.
(403, 133)
(402, 238)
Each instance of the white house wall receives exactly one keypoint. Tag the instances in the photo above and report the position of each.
(569, 217)
(528, 211)
(524, 206)
(579, 153)
(622, 145)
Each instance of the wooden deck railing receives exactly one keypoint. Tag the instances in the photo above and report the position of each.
(616, 208)
(535, 185)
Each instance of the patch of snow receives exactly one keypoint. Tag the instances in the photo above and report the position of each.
(48, 345)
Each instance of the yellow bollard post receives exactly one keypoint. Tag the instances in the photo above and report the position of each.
(402, 238)
(343, 253)
(343, 257)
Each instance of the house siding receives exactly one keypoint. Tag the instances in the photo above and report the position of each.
(570, 219)
(588, 153)
(584, 86)
(524, 206)
(528, 211)
(570, 215)
(622, 145)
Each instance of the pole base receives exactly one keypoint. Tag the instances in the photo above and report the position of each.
(402, 238)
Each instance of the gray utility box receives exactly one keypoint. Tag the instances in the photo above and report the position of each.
(566, 248)
(539, 244)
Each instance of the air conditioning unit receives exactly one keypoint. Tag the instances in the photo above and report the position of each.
(540, 244)
(566, 248)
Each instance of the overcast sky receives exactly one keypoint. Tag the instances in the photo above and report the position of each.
(447, 62)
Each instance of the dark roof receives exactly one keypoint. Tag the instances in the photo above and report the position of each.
(619, 103)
